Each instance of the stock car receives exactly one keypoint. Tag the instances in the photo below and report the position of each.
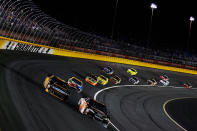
(102, 80)
(108, 70)
(92, 80)
(164, 77)
(132, 71)
(95, 110)
(152, 82)
(56, 87)
(164, 82)
(187, 85)
(75, 83)
(115, 79)
(134, 80)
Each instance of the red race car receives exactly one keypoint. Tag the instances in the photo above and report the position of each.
(187, 85)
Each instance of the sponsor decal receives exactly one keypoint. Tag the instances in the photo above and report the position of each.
(57, 89)
(9, 45)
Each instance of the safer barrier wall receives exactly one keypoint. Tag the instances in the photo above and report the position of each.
(10, 44)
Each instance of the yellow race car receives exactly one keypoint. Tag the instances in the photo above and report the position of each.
(132, 71)
(56, 87)
(102, 80)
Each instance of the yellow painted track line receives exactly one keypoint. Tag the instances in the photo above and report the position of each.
(164, 108)
(77, 54)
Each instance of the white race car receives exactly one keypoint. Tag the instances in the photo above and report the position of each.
(164, 82)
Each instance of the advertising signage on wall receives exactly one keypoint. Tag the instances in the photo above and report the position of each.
(9, 45)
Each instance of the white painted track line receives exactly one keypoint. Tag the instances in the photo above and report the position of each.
(107, 88)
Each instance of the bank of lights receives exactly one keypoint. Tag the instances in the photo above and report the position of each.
(191, 18)
(153, 6)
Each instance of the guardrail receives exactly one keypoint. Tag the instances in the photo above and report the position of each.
(131, 57)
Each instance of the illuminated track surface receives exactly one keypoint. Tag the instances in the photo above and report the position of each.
(25, 105)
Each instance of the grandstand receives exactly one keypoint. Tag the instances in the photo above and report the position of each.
(23, 20)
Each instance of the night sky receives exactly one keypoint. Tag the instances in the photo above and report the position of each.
(170, 25)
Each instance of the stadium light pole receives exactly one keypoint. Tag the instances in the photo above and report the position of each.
(153, 7)
(191, 19)
(114, 20)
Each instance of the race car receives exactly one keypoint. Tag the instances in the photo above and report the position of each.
(132, 71)
(92, 80)
(108, 70)
(152, 82)
(115, 79)
(134, 80)
(75, 83)
(164, 82)
(95, 110)
(102, 80)
(56, 87)
(164, 77)
(187, 85)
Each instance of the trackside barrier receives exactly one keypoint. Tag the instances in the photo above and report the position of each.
(131, 57)
(10, 44)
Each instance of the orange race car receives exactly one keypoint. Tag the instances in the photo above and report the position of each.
(92, 80)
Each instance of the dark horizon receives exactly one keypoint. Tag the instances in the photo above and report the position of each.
(170, 25)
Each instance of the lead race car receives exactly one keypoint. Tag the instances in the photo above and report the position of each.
(95, 110)
(56, 87)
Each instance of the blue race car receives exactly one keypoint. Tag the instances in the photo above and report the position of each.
(108, 70)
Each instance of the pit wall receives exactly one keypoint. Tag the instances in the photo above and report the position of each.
(11, 44)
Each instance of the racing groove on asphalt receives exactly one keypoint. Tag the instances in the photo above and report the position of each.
(25, 105)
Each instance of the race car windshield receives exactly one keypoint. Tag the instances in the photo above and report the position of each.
(133, 70)
(76, 81)
(135, 78)
(116, 77)
(165, 76)
(103, 77)
(93, 78)
(109, 68)
(98, 106)
(59, 82)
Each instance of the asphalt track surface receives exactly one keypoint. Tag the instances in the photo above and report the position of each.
(24, 105)
(187, 108)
